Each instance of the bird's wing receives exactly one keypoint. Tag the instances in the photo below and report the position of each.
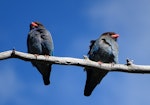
(34, 42)
(47, 43)
(91, 46)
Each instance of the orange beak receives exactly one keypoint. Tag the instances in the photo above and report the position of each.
(115, 36)
(34, 24)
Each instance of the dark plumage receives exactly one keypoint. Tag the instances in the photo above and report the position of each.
(104, 49)
(39, 42)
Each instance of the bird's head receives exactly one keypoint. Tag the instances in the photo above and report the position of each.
(36, 25)
(113, 35)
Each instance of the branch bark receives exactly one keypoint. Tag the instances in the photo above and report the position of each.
(129, 67)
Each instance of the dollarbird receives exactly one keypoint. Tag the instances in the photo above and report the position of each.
(39, 42)
(102, 50)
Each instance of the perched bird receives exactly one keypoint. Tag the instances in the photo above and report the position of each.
(39, 42)
(104, 49)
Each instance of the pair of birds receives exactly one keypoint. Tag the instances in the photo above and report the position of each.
(104, 49)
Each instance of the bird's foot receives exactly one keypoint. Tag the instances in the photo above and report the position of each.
(46, 56)
(99, 62)
(112, 63)
(36, 55)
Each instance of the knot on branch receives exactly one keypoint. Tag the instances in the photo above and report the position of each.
(129, 62)
(85, 57)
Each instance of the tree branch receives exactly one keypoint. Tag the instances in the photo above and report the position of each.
(129, 67)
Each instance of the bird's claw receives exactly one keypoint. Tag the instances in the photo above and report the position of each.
(46, 56)
(36, 55)
(112, 63)
(99, 62)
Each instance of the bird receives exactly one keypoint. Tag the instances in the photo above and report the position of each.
(40, 42)
(102, 50)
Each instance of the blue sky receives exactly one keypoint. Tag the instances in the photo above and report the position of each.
(73, 23)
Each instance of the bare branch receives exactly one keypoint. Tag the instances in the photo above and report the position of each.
(129, 67)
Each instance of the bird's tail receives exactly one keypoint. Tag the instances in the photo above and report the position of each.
(45, 70)
(46, 75)
(46, 80)
(94, 77)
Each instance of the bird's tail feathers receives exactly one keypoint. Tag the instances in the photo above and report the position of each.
(46, 75)
(93, 80)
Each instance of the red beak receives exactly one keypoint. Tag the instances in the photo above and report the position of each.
(115, 36)
(34, 24)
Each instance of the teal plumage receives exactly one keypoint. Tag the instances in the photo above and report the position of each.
(104, 49)
(40, 42)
